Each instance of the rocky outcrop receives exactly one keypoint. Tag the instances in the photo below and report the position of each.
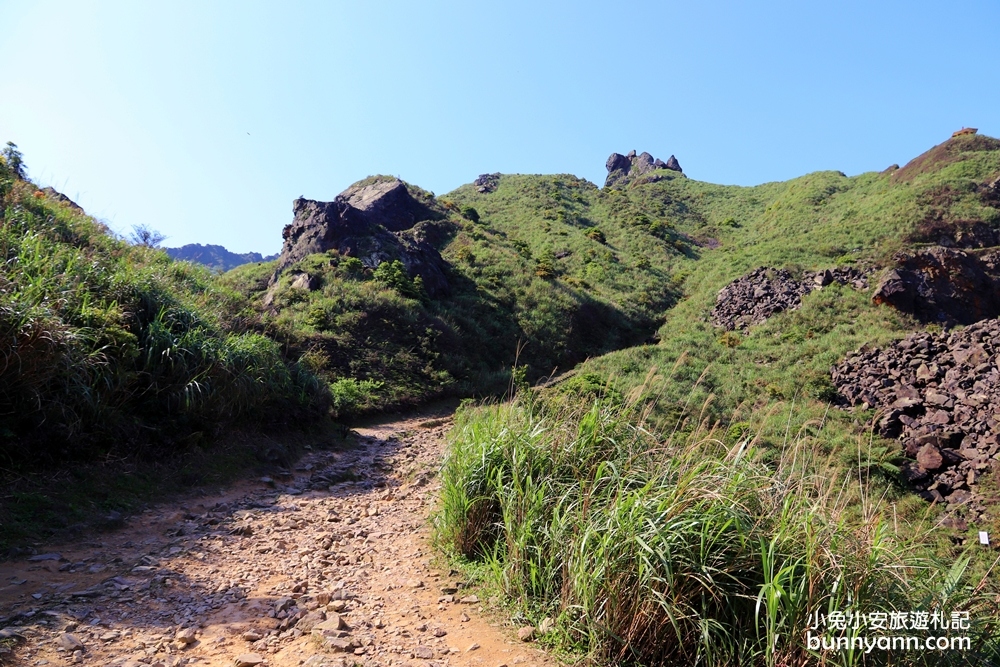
(942, 285)
(756, 296)
(376, 221)
(52, 193)
(487, 182)
(939, 393)
(991, 192)
(626, 168)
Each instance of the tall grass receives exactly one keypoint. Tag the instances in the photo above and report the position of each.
(104, 345)
(652, 549)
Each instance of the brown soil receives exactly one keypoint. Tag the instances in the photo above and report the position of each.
(943, 154)
(257, 569)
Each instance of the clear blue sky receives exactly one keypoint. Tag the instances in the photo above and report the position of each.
(204, 120)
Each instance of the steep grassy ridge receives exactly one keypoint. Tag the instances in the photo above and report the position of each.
(713, 495)
(549, 289)
(108, 347)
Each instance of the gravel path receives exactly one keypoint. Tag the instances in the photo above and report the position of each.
(329, 564)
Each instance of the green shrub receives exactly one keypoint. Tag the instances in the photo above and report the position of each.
(470, 213)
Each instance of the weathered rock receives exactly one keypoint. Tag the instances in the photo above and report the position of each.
(44, 557)
(303, 280)
(248, 660)
(70, 642)
(487, 183)
(618, 162)
(939, 393)
(624, 169)
(375, 222)
(331, 627)
(526, 634)
(929, 457)
(52, 193)
(756, 296)
(423, 652)
(941, 285)
(186, 636)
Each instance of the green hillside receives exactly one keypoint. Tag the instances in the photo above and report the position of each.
(667, 491)
(692, 501)
(109, 348)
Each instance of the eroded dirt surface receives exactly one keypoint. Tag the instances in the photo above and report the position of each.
(329, 564)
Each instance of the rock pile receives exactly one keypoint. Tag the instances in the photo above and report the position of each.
(623, 168)
(487, 182)
(756, 296)
(940, 395)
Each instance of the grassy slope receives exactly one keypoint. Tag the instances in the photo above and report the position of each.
(816, 221)
(109, 347)
(540, 290)
(549, 480)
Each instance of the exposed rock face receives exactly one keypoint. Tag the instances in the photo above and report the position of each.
(52, 193)
(625, 168)
(756, 296)
(942, 285)
(991, 192)
(487, 182)
(940, 395)
(375, 222)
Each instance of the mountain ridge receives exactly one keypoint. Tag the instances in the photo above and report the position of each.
(215, 257)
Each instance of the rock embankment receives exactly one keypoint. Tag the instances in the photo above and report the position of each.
(939, 393)
(756, 296)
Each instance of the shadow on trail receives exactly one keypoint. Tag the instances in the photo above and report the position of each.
(310, 522)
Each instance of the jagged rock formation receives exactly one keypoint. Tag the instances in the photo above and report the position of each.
(52, 193)
(943, 285)
(376, 220)
(756, 296)
(624, 168)
(487, 182)
(939, 393)
(216, 256)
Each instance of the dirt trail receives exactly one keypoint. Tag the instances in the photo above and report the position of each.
(329, 564)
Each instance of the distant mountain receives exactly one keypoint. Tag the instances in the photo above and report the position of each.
(215, 256)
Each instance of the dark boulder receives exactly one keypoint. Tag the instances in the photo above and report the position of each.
(644, 163)
(618, 162)
(673, 164)
(941, 285)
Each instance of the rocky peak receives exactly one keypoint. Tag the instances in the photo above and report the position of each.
(52, 193)
(375, 220)
(487, 182)
(625, 168)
